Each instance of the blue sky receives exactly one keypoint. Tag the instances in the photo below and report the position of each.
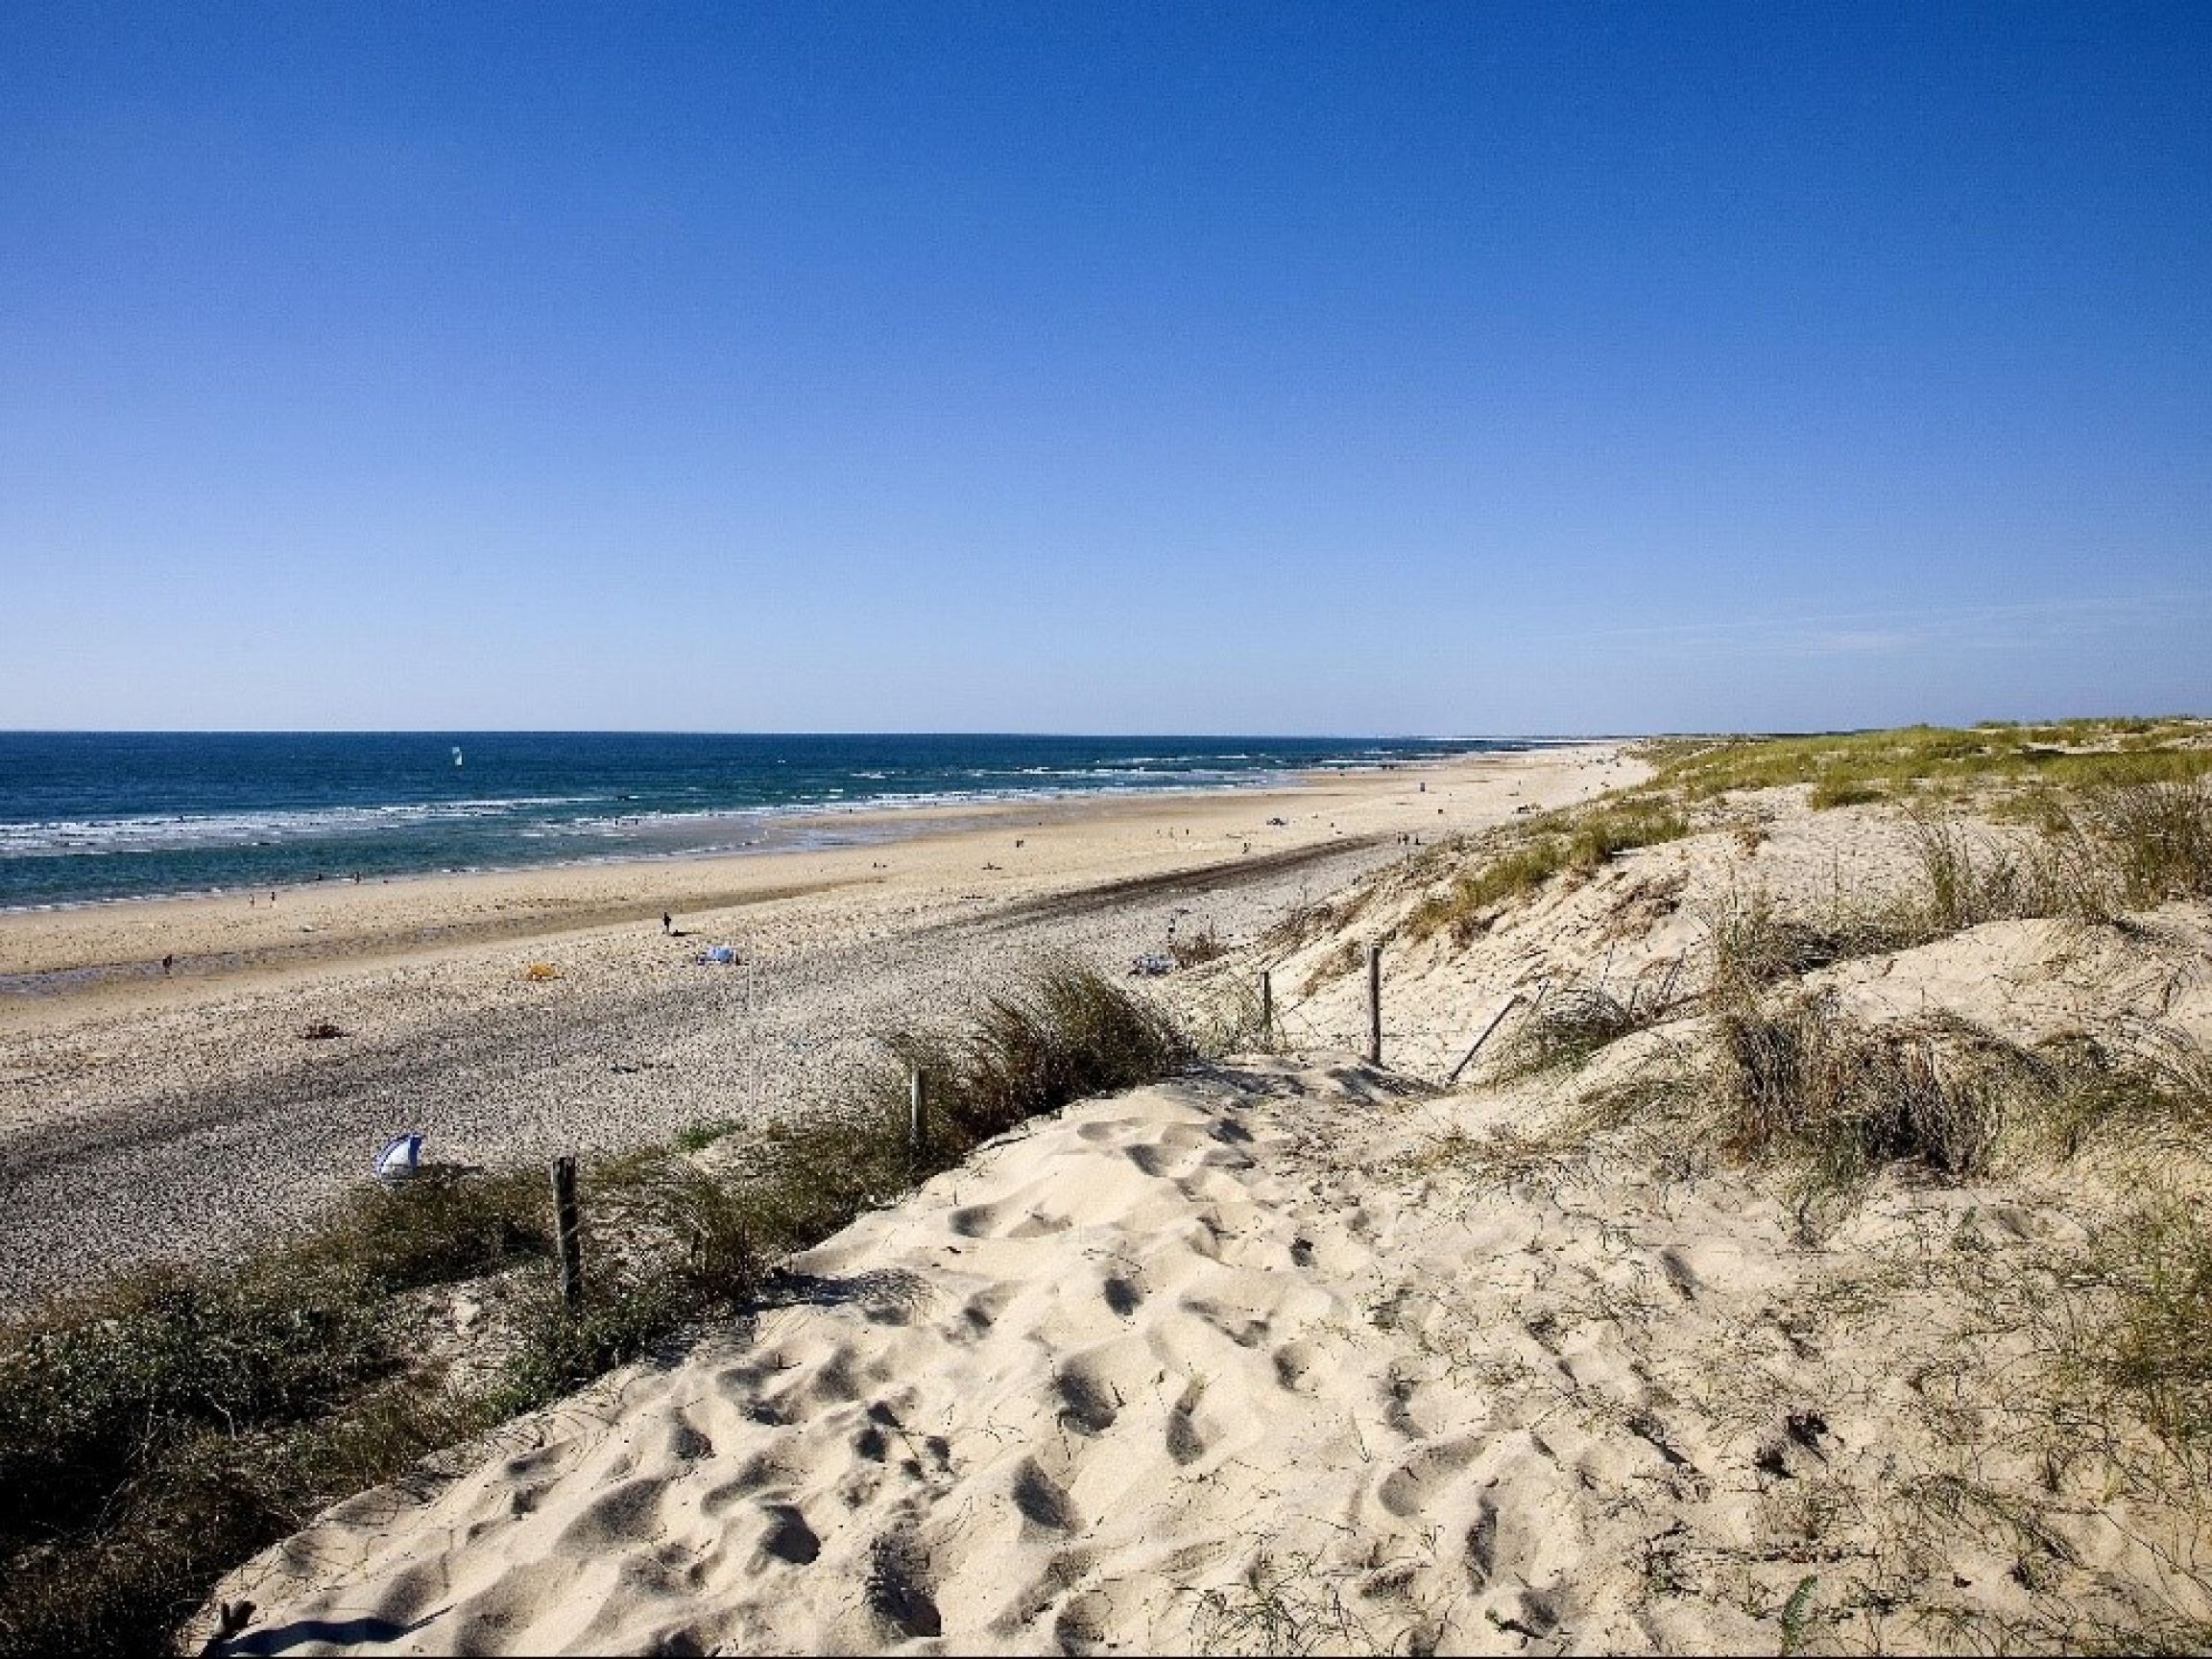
(1366, 368)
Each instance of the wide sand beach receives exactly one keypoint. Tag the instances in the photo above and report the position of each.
(146, 1116)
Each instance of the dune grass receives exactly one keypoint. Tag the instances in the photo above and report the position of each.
(156, 1430)
(1846, 768)
(1570, 1023)
(1797, 1082)
(1581, 840)
(2144, 1346)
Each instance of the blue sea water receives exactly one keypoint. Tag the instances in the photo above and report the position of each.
(87, 816)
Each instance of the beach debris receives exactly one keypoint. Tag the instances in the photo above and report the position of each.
(1152, 964)
(401, 1158)
(539, 972)
(1280, 823)
(320, 1031)
(721, 955)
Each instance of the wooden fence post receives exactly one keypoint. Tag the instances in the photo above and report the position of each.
(917, 1113)
(567, 1237)
(1266, 1005)
(1375, 1005)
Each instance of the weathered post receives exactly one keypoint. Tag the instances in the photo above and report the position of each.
(1483, 1036)
(1375, 1005)
(1266, 1005)
(566, 1233)
(917, 1114)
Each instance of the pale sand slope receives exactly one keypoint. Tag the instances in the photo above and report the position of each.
(1639, 927)
(1174, 1371)
(1292, 1356)
(1203, 1368)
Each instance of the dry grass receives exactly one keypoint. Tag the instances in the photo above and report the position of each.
(1334, 966)
(2144, 1346)
(1524, 860)
(1752, 944)
(1799, 1081)
(158, 1428)
(1846, 767)
(1199, 946)
(1788, 1078)
(1570, 1023)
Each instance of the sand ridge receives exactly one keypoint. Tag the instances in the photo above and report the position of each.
(1156, 1376)
(1225, 1366)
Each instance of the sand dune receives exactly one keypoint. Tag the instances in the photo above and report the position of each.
(1292, 1355)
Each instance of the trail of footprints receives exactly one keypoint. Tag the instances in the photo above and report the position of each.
(1065, 1449)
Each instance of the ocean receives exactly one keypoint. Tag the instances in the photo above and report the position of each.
(100, 815)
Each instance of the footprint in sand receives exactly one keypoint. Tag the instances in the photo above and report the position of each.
(981, 1313)
(1087, 1401)
(1245, 1330)
(1062, 1573)
(1185, 1443)
(1156, 1162)
(788, 1538)
(1483, 1544)
(1406, 1489)
(1043, 1503)
(975, 1221)
(1293, 1362)
(900, 1591)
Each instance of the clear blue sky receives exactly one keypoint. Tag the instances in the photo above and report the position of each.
(1271, 367)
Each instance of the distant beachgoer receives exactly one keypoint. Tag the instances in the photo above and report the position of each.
(168, 962)
(668, 924)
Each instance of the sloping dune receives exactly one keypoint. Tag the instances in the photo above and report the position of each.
(1229, 1364)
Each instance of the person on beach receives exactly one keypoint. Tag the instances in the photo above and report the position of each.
(167, 962)
(668, 924)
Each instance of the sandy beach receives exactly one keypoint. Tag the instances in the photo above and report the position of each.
(144, 1117)
(1293, 1353)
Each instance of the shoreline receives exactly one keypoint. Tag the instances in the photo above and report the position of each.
(793, 821)
(823, 815)
(64, 953)
(144, 1118)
